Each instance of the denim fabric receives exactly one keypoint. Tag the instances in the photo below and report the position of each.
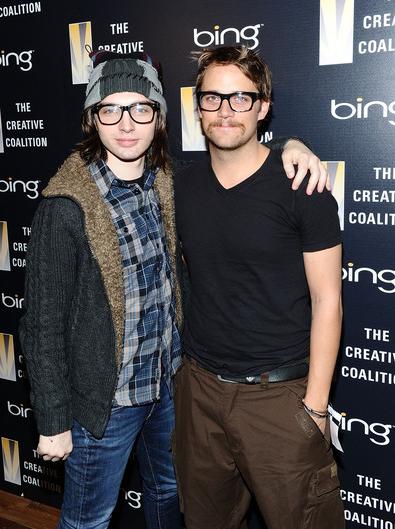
(95, 468)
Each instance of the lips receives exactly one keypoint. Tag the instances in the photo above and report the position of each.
(127, 142)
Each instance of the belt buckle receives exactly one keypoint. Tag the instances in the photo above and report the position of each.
(222, 379)
(246, 380)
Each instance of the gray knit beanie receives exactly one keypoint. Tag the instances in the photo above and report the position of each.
(114, 72)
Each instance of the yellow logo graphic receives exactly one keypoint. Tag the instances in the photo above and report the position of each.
(80, 35)
(337, 173)
(4, 247)
(336, 31)
(1, 137)
(11, 462)
(7, 357)
(192, 136)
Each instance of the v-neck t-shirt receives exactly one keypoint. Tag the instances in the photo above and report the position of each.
(249, 304)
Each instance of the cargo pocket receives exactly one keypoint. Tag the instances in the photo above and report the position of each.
(324, 509)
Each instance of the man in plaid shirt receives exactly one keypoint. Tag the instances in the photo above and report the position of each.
(102, 300)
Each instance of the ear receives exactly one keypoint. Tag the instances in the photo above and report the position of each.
(265, 105)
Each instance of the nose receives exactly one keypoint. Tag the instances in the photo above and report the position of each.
(225, 109)
(126, 124)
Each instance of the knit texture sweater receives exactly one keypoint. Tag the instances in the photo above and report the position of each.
(72, 330)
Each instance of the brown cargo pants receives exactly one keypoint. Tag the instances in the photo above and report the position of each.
(235, 440)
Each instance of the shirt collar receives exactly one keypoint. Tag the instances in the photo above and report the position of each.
(104, 177)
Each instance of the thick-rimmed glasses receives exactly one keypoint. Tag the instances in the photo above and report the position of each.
(111, 114)
(238, 101)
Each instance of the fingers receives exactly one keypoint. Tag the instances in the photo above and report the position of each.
(289, 169)
(54, 458)
(303, 167)
(305, 161)
(323, 178)
(319, 177)
(292, 157)
(50, 458)
(53, 452)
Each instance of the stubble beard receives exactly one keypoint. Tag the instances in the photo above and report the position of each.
(223, 143)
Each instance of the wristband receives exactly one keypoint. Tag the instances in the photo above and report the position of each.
(315, 413)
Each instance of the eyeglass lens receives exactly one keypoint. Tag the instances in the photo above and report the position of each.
(239, 101)
(139, 112)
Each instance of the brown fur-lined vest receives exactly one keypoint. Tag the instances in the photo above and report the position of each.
(73, 180)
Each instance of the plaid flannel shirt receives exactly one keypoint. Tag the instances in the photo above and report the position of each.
(151, 347)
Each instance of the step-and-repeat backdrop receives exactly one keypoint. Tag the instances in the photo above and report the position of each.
(334, 79)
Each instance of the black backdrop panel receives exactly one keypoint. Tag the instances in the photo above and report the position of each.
(334, 78)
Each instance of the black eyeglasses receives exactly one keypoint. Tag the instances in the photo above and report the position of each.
(238, 101)
(111, 114)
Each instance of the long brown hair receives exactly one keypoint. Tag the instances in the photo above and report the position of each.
(92, 149)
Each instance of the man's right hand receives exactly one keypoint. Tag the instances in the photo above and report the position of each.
(55, 447)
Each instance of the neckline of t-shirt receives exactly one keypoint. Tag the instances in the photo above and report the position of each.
(247, 181)
(129, 183)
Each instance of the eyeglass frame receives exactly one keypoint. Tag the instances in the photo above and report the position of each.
(153, 104)
(255, 96)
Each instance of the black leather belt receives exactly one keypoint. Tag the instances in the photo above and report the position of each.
(280, 374)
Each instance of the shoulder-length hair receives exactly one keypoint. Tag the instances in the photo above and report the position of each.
(92, 149)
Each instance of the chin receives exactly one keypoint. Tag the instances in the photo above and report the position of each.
(128, 156)
(226, 146)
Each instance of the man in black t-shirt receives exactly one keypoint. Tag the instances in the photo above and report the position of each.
(263, 320)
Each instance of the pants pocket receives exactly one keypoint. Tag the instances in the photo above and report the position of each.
(306, 423)
(310, 427)
(324, 509)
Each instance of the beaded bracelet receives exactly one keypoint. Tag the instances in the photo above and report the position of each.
(315, 413)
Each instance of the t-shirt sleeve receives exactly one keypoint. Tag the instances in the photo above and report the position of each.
(318, 219)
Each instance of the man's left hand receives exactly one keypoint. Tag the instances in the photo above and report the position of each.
(296, 153)
(321, 423)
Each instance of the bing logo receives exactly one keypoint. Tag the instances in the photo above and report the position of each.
(7, 357)
(377, 432)
(5, 264)
(11, 462)
(192, 136)
(336, 31)
(80, 35)
(219, 36)
(336, 171)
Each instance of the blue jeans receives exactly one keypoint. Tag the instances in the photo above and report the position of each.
(94, 470)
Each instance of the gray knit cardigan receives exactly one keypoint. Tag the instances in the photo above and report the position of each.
(72, 330)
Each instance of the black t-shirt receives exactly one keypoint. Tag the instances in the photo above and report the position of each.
(249, 307)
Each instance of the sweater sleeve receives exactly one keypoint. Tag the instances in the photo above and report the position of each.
(278, 144)
(50, 279)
